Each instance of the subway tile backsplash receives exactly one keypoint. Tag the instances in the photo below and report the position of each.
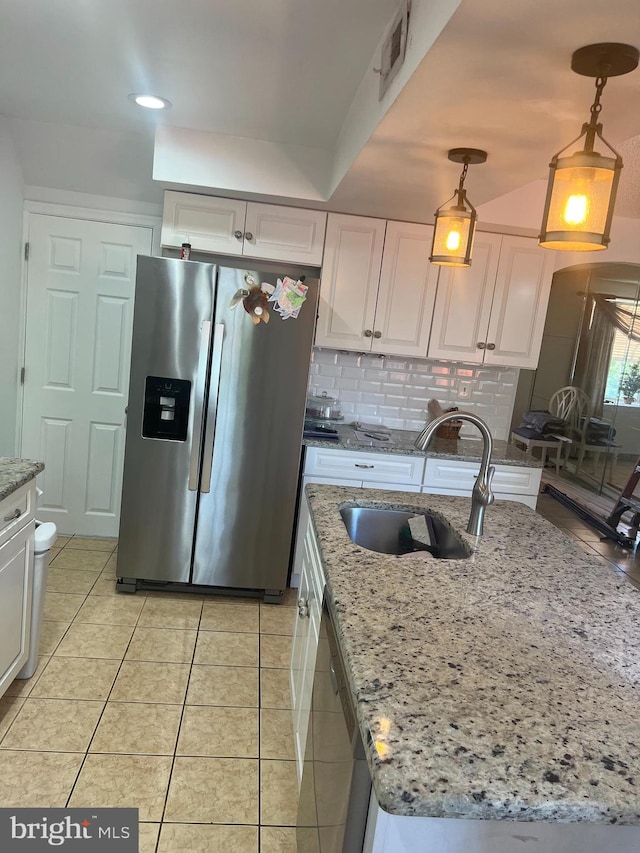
(395, 392)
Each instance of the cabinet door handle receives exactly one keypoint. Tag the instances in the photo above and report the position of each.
(491, 346)
(367, 333)
(248, 235)
(237, 235)
(481, 345)
(334, 678)
(362, 465)
(377, 334)
(13, 515)
(303, 608)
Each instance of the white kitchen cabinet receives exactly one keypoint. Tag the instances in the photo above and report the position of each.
(17, 528)
(378, 288)
(494, 311)
(349, 282)
(407, 291)
(304, 648)
(359, 468)
(231, 227)
(456, 477)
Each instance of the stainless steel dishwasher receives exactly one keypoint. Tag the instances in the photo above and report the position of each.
(336, 785)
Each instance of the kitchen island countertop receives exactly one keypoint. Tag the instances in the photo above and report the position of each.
(402, 443)
(15, 473)
(501, 687)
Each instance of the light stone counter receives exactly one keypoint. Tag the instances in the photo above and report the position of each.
(502, 687)
(402, 443)
(15, 473)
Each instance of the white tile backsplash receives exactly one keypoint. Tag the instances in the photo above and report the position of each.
(395, 392)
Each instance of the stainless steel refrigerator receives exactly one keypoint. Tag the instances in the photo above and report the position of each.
(214, 426)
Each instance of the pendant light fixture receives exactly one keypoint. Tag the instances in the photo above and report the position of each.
(456, 218)
(582, 187)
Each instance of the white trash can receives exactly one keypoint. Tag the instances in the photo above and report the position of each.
(45, 536)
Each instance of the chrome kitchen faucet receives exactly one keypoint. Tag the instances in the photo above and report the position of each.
(481, 496)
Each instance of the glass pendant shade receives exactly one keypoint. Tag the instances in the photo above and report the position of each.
(580, 201)
(453, 233)
(581, 192)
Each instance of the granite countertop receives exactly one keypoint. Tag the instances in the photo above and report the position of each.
(15, 473)
(505, 686)
(402, 443)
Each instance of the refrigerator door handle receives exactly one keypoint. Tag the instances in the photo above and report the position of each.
(201, 378)
(212, 407)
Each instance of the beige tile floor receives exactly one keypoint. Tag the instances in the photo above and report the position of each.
(178, 705)
(622, 560)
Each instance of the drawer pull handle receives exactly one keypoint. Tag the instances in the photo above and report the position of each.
(303, 608)
(367, 333)
(491, 346)
(362, 465)
(377, 334)
(13, 515)
(481, 345)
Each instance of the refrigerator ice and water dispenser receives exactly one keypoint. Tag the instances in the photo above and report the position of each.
(166, 408)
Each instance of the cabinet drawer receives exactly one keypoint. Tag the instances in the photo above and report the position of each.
(16, 511)
(367, 467)
(460, 476)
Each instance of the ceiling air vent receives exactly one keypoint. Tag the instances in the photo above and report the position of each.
(393, 48)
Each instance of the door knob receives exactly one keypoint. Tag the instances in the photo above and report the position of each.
(367, 333)
(237, 235)
(481, 345)
(491, 346)
(377, 334)
(248, 235)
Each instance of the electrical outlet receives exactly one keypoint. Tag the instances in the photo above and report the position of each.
(463, 389)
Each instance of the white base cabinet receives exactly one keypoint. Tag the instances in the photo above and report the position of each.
(454, 477)
(359, 468)
(430, 475)
(17, 527)
(308, 567)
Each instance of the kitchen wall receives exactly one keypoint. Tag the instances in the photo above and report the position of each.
(395, 391)
(11, 201)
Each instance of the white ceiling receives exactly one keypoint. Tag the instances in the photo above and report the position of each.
(279, 70)
(498, 78)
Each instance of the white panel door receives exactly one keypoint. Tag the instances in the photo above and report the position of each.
(407, 291)
(80, 288)
(209, 224)
(284, 233)
(349, 283)
(463, 304)
(520, 303)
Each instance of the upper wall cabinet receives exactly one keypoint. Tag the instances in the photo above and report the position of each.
(229, 227)
(377, 289)
(493, 312)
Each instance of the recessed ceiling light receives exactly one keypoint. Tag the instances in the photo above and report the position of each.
(150, 102)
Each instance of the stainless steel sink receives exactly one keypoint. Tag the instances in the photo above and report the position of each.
(386, 531)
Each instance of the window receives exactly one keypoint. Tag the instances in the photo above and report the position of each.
(624, 351)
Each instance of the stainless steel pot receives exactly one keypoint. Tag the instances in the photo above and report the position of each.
(323, 407)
